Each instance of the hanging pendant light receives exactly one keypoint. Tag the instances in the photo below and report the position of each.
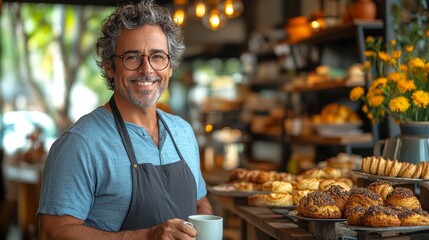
(198, 9)
(215, 19)
(232, 8)
(179, 14)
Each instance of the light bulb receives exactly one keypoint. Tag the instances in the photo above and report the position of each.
(232, 8)
(215, 20)
(199, 9)
(179, 16)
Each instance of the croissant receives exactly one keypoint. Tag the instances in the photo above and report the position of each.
(403, 197)
(363, 197)
(355, 215)
(340, 195)
(414, 217)
(381, 216)
(381, 166)
(382, 188)
(318, 205)
(298, 194)
(396, 167)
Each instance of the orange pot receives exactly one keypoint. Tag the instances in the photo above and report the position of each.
(363, 9)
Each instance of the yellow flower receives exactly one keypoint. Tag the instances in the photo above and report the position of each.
(399, 104)
(356, 93)
(416, 63)
(369, 53)
(375, 100)
(383, 56)
(396, 54)
(369, 40)
(420, 98)
(427, 67)
(379, 82)
(407, 85)
(409, 48)
(427, 33)
(393, 42)
(365, 108)
(396, 77)
(367, 65)
(403, 68)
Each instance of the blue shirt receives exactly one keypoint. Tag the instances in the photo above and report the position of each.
(87, 172)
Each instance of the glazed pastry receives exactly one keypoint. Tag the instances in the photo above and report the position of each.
(396, 167)
(267, 186)
(318, 205)
(324, 183)
(282, 176)
(425, 170)
(347, 181)
(373, 168)
(308, 184)
(332, 173)
(418, 172)
(279, 199)
(237, 174)
(281, 187)
(363, 197)
(407, 170)
(340, 195)
(365, 166)
(414, 217)
(337, 183)
(258, 200)
(355, 215)
(388, 168)
(381, 166)
(381, 216)
(382, 188)
(298, 194)
(313, 173)
(403, 197)
(244, 186)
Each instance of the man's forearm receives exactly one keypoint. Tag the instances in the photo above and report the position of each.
(204, 206)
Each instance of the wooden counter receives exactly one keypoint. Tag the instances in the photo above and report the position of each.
(260, 223)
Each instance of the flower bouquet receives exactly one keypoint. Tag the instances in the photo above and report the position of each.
(398, 71)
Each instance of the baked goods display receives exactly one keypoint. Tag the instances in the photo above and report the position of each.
(394, 168)
(335, 113)
(318, 205)
(399, 207)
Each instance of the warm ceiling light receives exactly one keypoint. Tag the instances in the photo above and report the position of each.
(232, 8)
(179, 16)
(215, 20)
(199, 9)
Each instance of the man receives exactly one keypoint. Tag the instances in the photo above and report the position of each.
(127, 170)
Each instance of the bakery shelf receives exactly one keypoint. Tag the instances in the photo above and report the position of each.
(326, 85)
(343, 32)
(354, 139)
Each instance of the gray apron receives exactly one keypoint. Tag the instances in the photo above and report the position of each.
(160, 192)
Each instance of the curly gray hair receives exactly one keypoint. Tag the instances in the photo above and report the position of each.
(132, 16)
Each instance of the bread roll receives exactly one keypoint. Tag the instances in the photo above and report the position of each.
(258, 200)
(281, 187)
(279, 199)
(308, 184)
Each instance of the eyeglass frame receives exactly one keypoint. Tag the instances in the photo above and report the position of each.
(142, 56)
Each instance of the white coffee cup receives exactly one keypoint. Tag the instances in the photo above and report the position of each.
(209, 227)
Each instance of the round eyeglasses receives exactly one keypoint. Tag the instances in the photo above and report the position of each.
(131, 61)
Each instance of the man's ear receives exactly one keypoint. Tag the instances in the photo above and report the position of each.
(107, 67)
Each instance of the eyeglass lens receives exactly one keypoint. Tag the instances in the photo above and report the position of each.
(157, 61)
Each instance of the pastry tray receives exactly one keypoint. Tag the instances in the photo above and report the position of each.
(294, 214)
(385, 229)
(387, 178)
(233, 193)
(282, 210)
